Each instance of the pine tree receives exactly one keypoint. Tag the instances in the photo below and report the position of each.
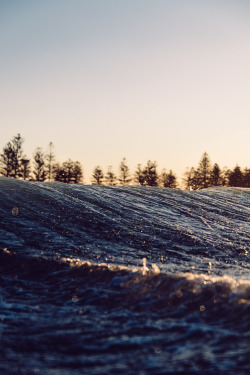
(17, 155)
(225, 176)
(6, 160)
(139, 176)
(97, 176)
(216, 176)
(203, 172)
(168, 179)
(68, 172)
(236, 177)
(110, 177)
(39, 165)
(188, 179)
(77, 173)
(17, 142)
(25, 168)
(58, 173)
(246, 177)
(151, 175)
(50, 157)
(10, 159)
(124, 176)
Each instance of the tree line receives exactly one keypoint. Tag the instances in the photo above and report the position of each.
(147, 176)
(14, 163)
(208, 175)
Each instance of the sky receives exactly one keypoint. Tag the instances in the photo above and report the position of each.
(164, 80)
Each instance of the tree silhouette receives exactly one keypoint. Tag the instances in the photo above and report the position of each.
(39, 165)
(17, 142)
(97, 176)
(50, 158)
(25, 168)
(124, 175)
(10, 159)
(58, 173)
(68, 172)
(77, 173)
(150, 173)
(203, 171)
(139, 176)
(188, 178)
(216, 176)
(236, 177)
(13, 163)
(6, 160)
(246, 178)
(110, 177)
(225, 176)
(168, 179)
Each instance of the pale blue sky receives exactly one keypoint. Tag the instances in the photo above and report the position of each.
(141, 79)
